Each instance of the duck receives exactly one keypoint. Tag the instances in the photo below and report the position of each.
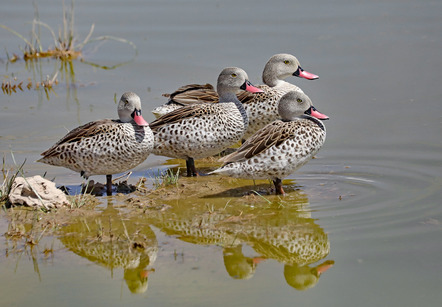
(198, 131)
(281, 147)
(106, 146)
(261, 109)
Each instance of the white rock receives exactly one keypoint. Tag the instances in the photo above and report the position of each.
(24, 192)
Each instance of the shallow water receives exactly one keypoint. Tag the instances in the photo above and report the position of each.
(369, 203)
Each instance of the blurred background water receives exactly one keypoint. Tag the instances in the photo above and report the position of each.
(374, 192)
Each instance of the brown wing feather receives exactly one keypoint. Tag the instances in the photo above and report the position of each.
(271, 135)
(193, 93)
(178, 115)
(205, 93)
(198, 96)
(190, 87)
(86, 130)
(245, 96)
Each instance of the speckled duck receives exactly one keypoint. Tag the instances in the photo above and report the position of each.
(105, 147)
(280, 148)
(202, 130)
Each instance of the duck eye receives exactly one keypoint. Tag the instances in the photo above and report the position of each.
(299, 100)
(234, 75)
(287, 62)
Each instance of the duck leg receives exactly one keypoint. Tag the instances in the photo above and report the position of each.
(109, 185)
(278, 186)
(191, 170)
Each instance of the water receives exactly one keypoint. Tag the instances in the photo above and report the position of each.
(372, 196)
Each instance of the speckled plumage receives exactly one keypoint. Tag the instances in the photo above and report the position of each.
(101, 148)
(202, 130)
(276, 151)
(104, 147)
(280, 148)
(282, 240)
(261, 108)
(198, 131)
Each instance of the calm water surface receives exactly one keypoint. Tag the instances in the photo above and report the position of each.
(369, 204)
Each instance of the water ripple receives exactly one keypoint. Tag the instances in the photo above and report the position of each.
(386, 197)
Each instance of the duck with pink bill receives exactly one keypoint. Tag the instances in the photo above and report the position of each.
(280, 148)
(203, 130)
(107, 146)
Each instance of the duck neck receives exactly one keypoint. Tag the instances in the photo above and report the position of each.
(270, 80)
(231, 97)
(228, 97)
(271, 77)
(315, 120)
(277, 83)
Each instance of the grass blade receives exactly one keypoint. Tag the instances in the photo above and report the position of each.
(20, 36)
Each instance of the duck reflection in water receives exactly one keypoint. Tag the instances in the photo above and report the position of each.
(110, 242)
(287, 234)
(300, 277)
(238, 266)
(303, 277)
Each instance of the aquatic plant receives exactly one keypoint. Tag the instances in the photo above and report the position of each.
(8, 180)
(65, 44)
(66, 48)
(79, 200)
(166, 178)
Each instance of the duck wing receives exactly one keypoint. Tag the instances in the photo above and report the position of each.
(271, 135)
(177, 115)
(87, 130)
(193, 93)
(204, 93)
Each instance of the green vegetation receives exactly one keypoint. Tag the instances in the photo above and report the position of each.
(8, 179)
(167, 178)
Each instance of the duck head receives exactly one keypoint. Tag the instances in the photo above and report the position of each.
(129, 108)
